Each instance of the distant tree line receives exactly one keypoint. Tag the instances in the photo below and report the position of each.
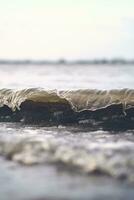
(115, 61)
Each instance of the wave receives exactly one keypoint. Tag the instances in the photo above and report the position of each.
(109, 109)
(113, 159)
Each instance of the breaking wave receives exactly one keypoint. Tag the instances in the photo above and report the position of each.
(109, 109)
(109, 158)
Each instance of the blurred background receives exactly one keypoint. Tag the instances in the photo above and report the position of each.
(55, 29)
(83, 39)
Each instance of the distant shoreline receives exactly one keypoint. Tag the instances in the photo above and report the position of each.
(67, 62)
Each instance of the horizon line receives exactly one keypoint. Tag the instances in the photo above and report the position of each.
(67, 61)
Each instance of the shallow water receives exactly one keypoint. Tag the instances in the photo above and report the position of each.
(36, 160)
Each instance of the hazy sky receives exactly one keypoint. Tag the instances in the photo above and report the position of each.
(51, 29)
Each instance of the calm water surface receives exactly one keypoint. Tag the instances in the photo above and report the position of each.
(67, 77)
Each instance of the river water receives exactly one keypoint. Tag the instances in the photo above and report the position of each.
(62, 161)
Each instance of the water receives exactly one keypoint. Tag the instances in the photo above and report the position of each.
(67, 77)
(38, 161)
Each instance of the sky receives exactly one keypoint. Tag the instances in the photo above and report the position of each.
(69, 29)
